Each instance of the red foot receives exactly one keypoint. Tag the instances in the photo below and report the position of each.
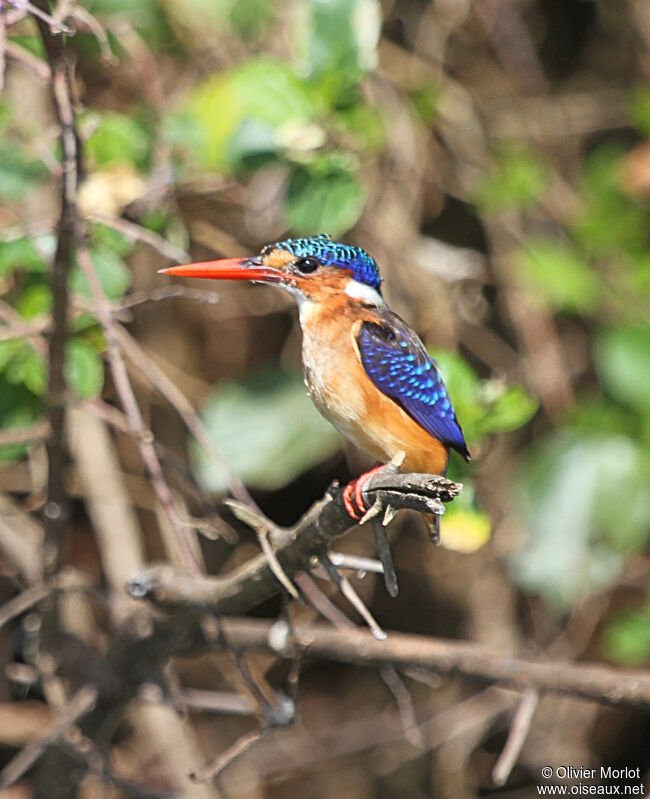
(353, 499)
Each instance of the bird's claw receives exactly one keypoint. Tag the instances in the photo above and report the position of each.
(358, 509)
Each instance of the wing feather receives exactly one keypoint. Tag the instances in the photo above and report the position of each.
(397, 362)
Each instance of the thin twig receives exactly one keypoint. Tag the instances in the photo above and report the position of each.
(24, 435)
(31, 62)
(215, 702)
(80, 704)
(91, 22)
(168, 292)
(223, 760)
(404, 703)
(345, 587)
(214, 631)
(135, 232)
(519, 729)
(356, 563)
(132, 410)
(23, 602)
(43, 16)
(260, 524)
(155, 375)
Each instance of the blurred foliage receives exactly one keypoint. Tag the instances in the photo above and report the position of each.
(267, 430)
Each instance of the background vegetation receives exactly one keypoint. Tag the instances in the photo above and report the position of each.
(494, 157)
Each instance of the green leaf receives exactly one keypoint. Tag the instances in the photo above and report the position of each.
(461, 380)
(35, 300)
(627, 638)
(267, 430)
(364, 124)
(114, 275)
(146, 16)
(22, 253)
(252, 139)
(118, 138)
(556, 274)
(251, 17)
(330, 202)
(84, 369)
(24, 366)
(505, 407)
(16, 410)
(111, 239)
(640, 111)
(621, 356)
(264, 91)
(611, 222)
(517, 181)
(483, 406)
(18, 174)
(583, 504)
(425, 100)
(339, 37)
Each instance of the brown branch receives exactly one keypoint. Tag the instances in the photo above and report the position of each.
(297, 549)
(24, 435)
(132, 410)
(212, 771)
(56, 509)
(157, 377)
(80, 704)
(597, 683)
(519, 729)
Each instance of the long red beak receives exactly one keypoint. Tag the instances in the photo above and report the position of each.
(227, 269)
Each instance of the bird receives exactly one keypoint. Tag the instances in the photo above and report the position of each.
(366, 370)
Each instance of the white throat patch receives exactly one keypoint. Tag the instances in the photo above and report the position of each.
(363, 292)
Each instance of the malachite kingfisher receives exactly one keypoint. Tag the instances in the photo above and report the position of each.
(366, 371)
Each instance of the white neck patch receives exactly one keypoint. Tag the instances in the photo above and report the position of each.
(363, 292)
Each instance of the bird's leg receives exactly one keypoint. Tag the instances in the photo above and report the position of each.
(353, 499)
(357, 508)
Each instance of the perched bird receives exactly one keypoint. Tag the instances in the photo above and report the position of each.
(366, 371)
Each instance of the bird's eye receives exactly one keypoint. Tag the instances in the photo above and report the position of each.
(307, 265)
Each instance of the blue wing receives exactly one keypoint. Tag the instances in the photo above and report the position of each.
(398, 364)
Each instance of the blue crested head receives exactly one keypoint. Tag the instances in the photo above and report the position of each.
(334, 253)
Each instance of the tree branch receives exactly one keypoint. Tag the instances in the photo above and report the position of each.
(585, 681)
(56, 508)
(296, 549)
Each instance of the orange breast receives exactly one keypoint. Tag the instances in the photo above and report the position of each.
(345, 395)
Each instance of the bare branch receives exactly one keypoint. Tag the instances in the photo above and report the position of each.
(297, 549)
(56, 510)
(597, 683)
(24, 435)
(80, 704)
(519, 729)
(155, 375)
(215, 768)
(132, 410)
